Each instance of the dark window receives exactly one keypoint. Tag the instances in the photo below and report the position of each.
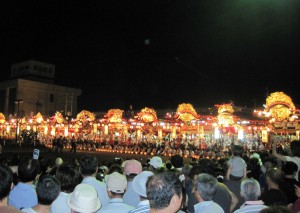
(51, 98)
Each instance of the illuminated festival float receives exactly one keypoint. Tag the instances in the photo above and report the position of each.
(221, 126)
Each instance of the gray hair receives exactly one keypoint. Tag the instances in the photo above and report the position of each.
(207, 186)
(250, 189)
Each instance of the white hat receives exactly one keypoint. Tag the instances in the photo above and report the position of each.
(84, 199)
(58, 161)
(139, 183)
(156, 162)
(116, 182)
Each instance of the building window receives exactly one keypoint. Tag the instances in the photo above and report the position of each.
(51, 98)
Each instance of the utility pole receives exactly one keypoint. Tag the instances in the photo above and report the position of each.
(18, 102)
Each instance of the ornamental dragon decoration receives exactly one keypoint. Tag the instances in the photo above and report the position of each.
(85, 116)
(186, 112)
(279, 106)
(114, 115)
(225, 116)
(59, 118)
(147, 115)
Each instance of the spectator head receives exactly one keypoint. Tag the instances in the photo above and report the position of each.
(69, 176)
(116, 183)
(177, 161)
(6, 179)
(115, 168)
(207, 166)
(289, 168)
(186, 169)
(250, 189)
(295, 148)
(269, 163)
(88, 165)
(132, 167)
(206, 187)
(28, 169)
(47, 189)
(237, 150)
(274, 176)
(84, 198)
(276, 209)
(164, 191)
(156, 162)
(139, 183)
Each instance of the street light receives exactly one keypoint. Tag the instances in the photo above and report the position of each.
(18, 102)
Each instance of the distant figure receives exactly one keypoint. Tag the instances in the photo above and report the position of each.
(83, 199)
(73, 145)
(6, 180)
(164, 192)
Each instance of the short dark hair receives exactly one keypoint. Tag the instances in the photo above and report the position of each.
(161, 187)
(274, 174)
(289, 168)
(69, 176)
(207, 166)
(28, 169)
(47, 189)
(88, 164)
(295, 147)
(177, 161)
(237, 150)
(6, 179)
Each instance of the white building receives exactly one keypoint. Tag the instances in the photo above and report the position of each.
(32, 90)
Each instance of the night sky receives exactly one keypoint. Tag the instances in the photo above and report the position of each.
(159, 53)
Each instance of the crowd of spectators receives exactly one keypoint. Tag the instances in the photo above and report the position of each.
(264, 181)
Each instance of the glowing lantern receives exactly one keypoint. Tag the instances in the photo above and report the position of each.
(264, 136)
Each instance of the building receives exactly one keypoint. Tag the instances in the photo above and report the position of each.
(31, 89)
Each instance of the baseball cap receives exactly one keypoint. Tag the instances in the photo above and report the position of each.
(132, 167)
(139, 183)
(116, 182)
(156, 162)
(84, 199)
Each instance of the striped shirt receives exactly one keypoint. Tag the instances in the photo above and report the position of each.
(143, 207)
(251, 207)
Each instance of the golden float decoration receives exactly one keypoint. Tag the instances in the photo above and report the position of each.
(186, 112)
(225, 116)
(2, 118)
(39, 118)
(279, 106)
(147, 115)
(85, 115)
(114, 115)
(59, 118)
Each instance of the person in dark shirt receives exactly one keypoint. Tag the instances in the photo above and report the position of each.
(274, 196)
(287, 185)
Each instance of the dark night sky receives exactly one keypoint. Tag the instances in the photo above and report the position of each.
(159, 53)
